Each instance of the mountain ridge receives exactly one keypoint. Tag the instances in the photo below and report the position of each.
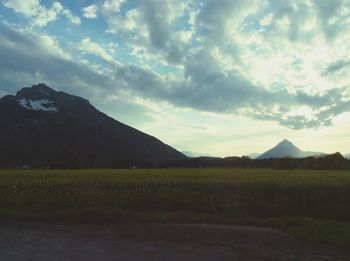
(46, 127)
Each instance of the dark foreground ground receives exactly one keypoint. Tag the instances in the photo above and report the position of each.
(33, 241)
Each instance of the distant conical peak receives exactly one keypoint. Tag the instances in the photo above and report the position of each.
(286, 142)
(283, 149)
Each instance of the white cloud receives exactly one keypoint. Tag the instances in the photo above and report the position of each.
(44, 16)
(112, 5)
(86, 45)
(112, 47)
(90, 12)
(267, 20)
(51, 45)
(26, 7)
(73, 19)
(39, 15)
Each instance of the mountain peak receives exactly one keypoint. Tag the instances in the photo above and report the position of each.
(36, 92)
(285, 141)
(287, 149)
(283, 149)
(39, 97)
(43, 88)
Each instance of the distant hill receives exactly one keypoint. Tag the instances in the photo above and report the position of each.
(40, 126)
(347, 156)
(287, 149)
(253, 155)
(193, 154)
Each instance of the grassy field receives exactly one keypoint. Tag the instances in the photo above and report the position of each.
(312, 205)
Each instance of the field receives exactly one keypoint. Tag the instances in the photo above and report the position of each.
(312, 205)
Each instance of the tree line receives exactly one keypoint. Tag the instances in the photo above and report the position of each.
(328, 162)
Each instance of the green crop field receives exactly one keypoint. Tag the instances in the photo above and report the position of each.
(313, 205)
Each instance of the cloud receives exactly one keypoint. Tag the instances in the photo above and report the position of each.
(328, 10)
(39, 15)
(28, 7)
(27, 58)
(207, 88)
(86, 45)
(113, 5)
(336, 66)
(72, 18)
(261, 59)
(108, 8)
(44, 16)
(90, 12)
(148, 28)
(157, 14)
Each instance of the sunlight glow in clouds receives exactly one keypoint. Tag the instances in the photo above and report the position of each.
(271, 69)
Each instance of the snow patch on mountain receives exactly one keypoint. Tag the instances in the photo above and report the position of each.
(38, 105)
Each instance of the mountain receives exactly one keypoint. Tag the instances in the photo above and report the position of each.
(253, 155)
(347, 156)
(287, 149)
(40, 126)
(193, 154)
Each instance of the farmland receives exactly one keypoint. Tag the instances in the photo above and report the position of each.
(312, 205)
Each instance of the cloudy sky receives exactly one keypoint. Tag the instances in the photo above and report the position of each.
(217, 77)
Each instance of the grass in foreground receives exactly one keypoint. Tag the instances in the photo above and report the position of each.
(312, 205)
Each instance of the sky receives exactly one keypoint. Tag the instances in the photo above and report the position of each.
(210, 77)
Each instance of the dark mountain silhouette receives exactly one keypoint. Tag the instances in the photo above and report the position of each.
(40, 126)
(287, 149)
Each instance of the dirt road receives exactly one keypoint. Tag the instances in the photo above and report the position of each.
(30, 241)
